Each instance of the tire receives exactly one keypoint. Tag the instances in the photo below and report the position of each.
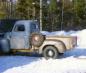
(50, 52)
(39, 41)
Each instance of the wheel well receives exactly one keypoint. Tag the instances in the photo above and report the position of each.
(49, 45)
(55, 46)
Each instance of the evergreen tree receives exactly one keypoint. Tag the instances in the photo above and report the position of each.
(23, 9)
(53, 15)
(67, 14)
(45, 16)
(80, 13)
(2, 10)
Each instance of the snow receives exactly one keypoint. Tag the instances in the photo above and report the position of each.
(81, 38)
(54, 33)
(73, 61)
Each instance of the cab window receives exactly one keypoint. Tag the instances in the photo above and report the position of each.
(19, 28)
(33, 27)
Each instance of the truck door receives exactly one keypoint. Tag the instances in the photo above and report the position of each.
(18, 37)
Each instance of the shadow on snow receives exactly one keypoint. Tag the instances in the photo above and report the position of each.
(75, 53)
(8, 62)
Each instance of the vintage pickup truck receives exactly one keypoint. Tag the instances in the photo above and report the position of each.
(26, 37)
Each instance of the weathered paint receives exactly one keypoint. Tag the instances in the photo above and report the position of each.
(62, 43)
(59, 45)
(69, 41)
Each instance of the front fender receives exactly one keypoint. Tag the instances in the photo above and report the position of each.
(58, 44)
(5, 45)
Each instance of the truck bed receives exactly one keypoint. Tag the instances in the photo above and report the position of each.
(69, 41)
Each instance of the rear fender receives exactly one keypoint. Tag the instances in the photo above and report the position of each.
(56, 43)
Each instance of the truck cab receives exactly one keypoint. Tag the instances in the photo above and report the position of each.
(20, 35)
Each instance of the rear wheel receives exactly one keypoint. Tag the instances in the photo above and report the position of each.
(50, 52)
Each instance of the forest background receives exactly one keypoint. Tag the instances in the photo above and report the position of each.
(56, 14)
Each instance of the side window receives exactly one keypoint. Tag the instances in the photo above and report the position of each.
(33, 27)
(19, 28)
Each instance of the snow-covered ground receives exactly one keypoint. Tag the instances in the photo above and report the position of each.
(73, 61)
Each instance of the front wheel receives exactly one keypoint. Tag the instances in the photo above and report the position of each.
(50, 52)
(5, 46)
